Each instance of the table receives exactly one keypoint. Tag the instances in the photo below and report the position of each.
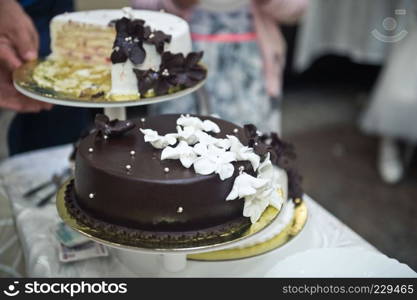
(34, 228)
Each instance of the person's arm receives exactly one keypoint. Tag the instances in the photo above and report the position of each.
(19, 43)
(176, 7)
(283, 11)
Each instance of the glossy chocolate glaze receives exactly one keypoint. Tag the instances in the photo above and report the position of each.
(145, 196)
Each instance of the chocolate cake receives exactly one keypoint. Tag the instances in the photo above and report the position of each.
(126, 177)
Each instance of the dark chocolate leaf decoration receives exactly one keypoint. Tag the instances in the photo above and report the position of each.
(118, 56)
(162, 86)
(166, 76)
(283, 155)
(295, 189)
(254, 141)
(193, 59)
(284, 151)
(136, 29)
(172, 62)
(193, 72)
(185, 71)
(146, 80)
(112, 128)
(128, 44)
(122, 25)
(251, 134)
(137, 54)
(175, 70)
(158, 38)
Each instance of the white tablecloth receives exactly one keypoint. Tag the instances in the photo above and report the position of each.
(34, 226)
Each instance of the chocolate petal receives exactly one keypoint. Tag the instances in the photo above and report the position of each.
(197, 73)
(282, 148)
(172, 61)
(193, 58)
(159, 39)
(118, 56)
(162, 87)
(295, 189)
(111, 128)
(120, 127)
(122, 25)
(101, 120)
(146, 80)
(250, 131)
(137, 54)
(180, 78)
(136, 28)
(147, 32)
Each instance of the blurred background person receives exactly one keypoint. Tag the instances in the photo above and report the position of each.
(24, 35)
(392, 112)
(244, 51)
(341, 48)
(373, 33)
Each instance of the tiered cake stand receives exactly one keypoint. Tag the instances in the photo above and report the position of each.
(268, 234)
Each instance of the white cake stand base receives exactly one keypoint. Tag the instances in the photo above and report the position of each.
(175, 261)
(115, 112)
(148, 264)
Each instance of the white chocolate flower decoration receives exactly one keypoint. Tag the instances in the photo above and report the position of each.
(259, 192)
(182, 151)
(157, 140)
(246, 185)
(267, 171)
(213, 160)
(198, 124)
(254, 207)
(207, 139)
(244, 152)
(188, 134)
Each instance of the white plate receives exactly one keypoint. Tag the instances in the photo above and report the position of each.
(80, 103)
(24, 82)
(340, 262)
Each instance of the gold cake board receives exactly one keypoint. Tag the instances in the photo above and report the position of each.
(291, 230)
(209, 252)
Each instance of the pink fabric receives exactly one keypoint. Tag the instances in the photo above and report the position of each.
(225, 37)
(266, 16)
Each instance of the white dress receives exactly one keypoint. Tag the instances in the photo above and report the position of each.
(392, 111)
(346, 27)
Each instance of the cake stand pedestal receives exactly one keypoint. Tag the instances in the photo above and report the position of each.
(115, 112)
(202, 98)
